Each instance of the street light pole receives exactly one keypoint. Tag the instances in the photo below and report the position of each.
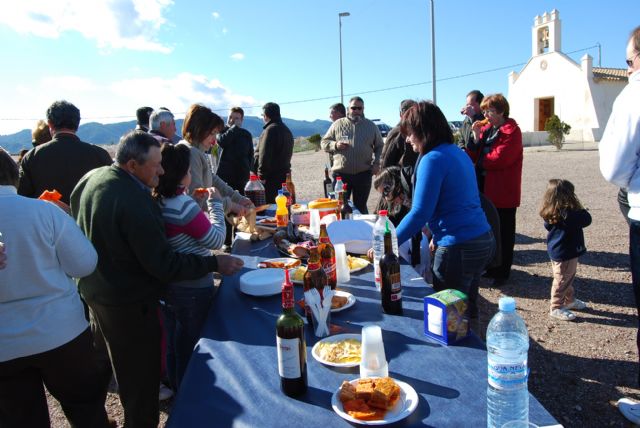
(340, 15)
(433, 54)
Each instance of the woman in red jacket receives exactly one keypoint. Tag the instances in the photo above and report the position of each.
(497, 156)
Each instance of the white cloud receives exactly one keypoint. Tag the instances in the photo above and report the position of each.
(119, 24)
(215, 15)
(109, 102)
(238, 56)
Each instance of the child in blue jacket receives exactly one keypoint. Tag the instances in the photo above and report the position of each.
(564, 218)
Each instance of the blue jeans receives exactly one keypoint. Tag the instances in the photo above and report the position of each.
(185, 312)
(460, 267)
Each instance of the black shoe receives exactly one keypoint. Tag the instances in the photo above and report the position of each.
(499, 282)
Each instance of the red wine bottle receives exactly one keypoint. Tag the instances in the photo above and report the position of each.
(391, 288)
(292, 349)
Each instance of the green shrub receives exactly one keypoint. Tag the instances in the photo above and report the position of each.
(315, 141)
(556, 129)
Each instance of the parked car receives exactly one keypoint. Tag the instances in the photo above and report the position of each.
(383, 127)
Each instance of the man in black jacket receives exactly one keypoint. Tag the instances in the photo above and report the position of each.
(472, 113)
(273, 156)
(237, 151)
(60, 163)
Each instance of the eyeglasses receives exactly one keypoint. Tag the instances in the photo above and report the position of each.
(356, 108)
(630, 60)
(486, 112)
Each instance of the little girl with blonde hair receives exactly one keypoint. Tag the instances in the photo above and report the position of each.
(564, 218)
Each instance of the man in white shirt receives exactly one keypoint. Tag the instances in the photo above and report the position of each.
(619, 160)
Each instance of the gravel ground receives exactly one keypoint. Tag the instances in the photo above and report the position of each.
(578, 369)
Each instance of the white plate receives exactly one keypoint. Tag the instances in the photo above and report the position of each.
(351, 300)
(262, 282)
(404, 407)
(284, 260)
(335, 338)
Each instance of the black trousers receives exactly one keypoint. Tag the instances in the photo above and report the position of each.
(271, 186)
(507, 242)
(131, 336)
(71, 374)
(359, 185)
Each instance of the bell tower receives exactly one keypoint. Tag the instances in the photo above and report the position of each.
(545, 33)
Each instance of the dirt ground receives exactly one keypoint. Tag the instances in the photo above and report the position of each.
(578, 369)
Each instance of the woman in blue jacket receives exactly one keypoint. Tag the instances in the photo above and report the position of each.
(446, 197)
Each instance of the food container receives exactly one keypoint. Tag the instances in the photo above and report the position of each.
(319, 208)
(445, 316)
(300, 214)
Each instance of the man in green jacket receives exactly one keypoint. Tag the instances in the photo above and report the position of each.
(114, 208)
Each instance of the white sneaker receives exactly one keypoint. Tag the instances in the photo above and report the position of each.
(630, 409)
(562, 314)
(577, 305)
(165, 392)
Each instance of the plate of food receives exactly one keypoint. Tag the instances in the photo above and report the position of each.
(374, 401)
(297, 275)
(267, 223)
(281, 262)
(342, 300)
(356, 264)
(340, 350)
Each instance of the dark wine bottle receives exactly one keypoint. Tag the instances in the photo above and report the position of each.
(391, 288)
(314, 277)
(346, 212)
(292, 349)
(327, 184)
(291, 187)
(327, 257)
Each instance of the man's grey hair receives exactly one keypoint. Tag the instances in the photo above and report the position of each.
(159, 116)
(135, 145)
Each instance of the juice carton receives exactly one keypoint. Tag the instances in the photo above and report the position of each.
(445, 318)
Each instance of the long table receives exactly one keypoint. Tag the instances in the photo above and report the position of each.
(232, 378)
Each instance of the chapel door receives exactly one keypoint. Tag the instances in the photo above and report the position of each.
(545, 111)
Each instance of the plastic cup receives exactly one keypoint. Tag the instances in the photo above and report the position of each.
(342, 264)
(519, 424)
(373, 362)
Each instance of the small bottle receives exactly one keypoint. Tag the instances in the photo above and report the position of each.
(391, 286)
(507, 347)
(282, 213)
(328, 257)
(338, 188)
(287, 194)
(379, 230)
(291, 187)
(254, 190)
(314, 277)
(326, 184)
(346, 212)
(292, 349)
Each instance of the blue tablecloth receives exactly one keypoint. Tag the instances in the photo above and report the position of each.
(232, 378)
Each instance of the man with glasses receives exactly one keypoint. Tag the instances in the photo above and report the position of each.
(472, 113)
(356, 145)
(619, 159)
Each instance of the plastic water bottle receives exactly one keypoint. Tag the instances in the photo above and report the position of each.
(507, 347)
(378, 243)
(338, 188)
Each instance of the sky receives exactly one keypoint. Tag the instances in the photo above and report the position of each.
(110, 57)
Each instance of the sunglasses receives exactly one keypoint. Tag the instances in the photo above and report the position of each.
(355, 108)
(630, 61)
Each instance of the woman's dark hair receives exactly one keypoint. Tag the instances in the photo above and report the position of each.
(427, 122)
(199, 122)
(175, 162)
(8, 169)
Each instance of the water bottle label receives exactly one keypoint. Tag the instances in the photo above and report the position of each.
(507, 376)
(288, 358)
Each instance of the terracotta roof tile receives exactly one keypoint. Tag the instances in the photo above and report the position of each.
(614, 74)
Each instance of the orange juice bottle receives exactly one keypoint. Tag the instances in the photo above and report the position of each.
(282, 213)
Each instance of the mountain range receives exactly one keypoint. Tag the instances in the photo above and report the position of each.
(110, 133)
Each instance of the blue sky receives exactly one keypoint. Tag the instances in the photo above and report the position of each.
(111, 56)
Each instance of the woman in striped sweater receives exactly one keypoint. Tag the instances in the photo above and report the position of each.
(189, 230)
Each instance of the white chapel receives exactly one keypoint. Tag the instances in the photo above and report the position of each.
(552, 83)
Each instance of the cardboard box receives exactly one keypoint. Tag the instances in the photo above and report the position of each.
(445, 316)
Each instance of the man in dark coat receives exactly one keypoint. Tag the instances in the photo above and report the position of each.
(472, 113)
(60, 163)
(237, 151)
(273, 156)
